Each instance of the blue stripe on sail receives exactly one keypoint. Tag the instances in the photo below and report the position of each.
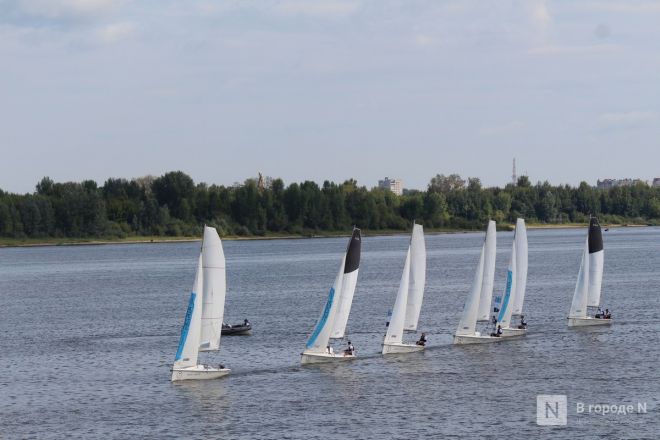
(322, 321)
(186, 326)
(507, 294)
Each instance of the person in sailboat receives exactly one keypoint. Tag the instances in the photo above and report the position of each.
(599, 313)
(422, 340)
(350, 351)
(498, 332)
(607, 314)
(246, 322)
(523, 323)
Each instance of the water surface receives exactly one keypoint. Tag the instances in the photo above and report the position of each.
(90, 332)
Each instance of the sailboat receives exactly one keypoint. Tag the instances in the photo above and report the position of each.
(203, 322)
(334, 317)
(477, 305)
(408, 303)
(516, 285)
(590, 277)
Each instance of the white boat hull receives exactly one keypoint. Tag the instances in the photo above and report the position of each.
(512, 332)
(401, 348)
(475, 339)
(317, 358)
(587, 321)
(198, 372)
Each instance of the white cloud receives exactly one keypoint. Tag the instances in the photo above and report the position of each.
(501, 129)
(63, 9)
(115, 32)
(323, 9)
(628, 119)
(555, 49)
(628, 6)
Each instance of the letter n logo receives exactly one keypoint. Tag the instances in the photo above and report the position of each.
(551, 409)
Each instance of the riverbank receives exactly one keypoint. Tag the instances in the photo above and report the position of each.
(34, 242)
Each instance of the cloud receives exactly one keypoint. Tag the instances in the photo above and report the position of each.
(628, 6)
(628, 119)
(115, 32)
(66, 9)
(555, 49)
(502, 129)
(322, 9)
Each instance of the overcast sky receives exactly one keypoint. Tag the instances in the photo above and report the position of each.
(91, 89)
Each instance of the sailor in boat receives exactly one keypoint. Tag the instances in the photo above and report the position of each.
(422, 340)
(599, 313)
(523, 323)
(246, 322)
(607, 314)
(350, 351)
(330, 350)
(498, 332)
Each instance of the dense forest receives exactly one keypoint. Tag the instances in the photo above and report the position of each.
(174, 205)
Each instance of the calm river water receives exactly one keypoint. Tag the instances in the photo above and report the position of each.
(89, 334)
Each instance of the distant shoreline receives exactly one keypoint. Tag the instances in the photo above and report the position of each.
(17, 243)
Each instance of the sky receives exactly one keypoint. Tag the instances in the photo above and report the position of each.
(334, 89)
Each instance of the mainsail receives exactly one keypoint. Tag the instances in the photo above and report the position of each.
(214, 290)
(521, 266)
(489, 251)
(468, 322)
(505, 303)
(596, 260)
(417, 251)
(349, 281)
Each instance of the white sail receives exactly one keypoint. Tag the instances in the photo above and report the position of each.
(490, 250)
(318, 340)
(521, 266)
(395, 328)
(187, 352)
(596, 260)
(506, 304)
(349, 281)
(417, 250)
(468, 322)
(579, 303)
(213, 263)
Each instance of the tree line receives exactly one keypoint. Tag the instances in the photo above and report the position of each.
(174, 205)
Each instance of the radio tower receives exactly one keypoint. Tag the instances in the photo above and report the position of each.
(513, 176)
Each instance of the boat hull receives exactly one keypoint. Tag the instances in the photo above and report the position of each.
(513, 332)
(588, 321)
(198, 372)
(401, 348)
(317, 358)
(475, 339)
(237, 330)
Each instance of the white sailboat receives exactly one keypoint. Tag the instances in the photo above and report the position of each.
(480, 293)
(408, 303)
(203, 321)
(333, 319)
(517, 287)
(590, 277)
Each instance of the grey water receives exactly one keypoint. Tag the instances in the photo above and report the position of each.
(88, 334)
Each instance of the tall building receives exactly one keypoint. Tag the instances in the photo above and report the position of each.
(394, 185)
